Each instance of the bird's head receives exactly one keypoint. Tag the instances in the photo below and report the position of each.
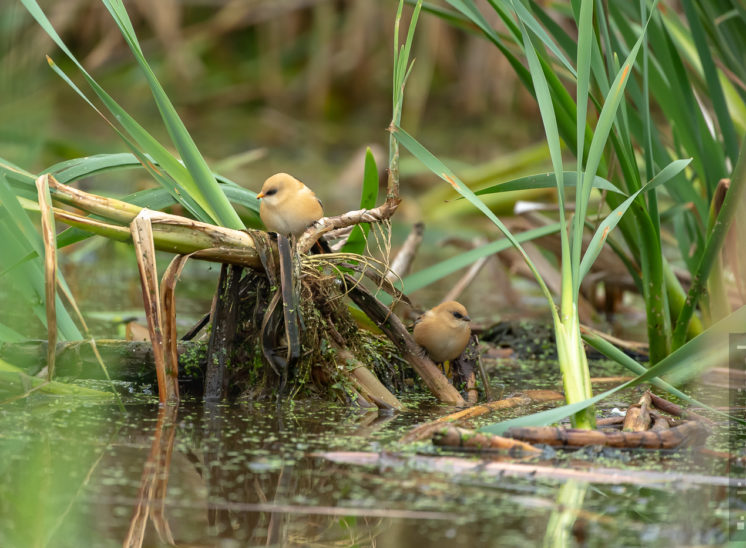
(278, 188)
(454, 314)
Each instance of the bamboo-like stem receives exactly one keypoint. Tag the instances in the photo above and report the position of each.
(171, 233)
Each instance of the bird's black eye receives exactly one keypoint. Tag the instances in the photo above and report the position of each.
(457, 315)
(270, 192)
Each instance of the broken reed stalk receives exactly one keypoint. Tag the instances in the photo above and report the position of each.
(142, 238)
(224, 313)
(204, 241)
(641, 428)
(394, 329)
(638, 417)
(168, 324)
(453, 437)
(366, 383)
(50, 268)
(171, 233)
(677, 410)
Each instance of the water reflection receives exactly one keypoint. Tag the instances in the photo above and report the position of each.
(151, 499)
(564, 516)
(235, 475)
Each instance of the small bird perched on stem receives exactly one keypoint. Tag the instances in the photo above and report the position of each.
(288, 207)
(443, 331)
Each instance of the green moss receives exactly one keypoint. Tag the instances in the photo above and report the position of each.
(190, 361)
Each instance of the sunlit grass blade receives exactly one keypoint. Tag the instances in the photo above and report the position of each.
(551, 131)
(546, 180)
(613, 218)
(710, 347)
(368, 198)
(138, 133)
(613, 353)
(150, 145)
(440, 270)
(79, 168)
(440, 169)
(600, 136)
(585, 47)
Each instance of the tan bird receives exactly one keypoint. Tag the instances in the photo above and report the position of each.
(443, 331)
(288, 207)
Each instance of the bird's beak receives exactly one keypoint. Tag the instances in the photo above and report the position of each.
(467, 319)
(260, 196)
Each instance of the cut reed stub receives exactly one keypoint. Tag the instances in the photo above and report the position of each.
(685, 434)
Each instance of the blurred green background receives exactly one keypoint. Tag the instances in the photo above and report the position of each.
(264, 86)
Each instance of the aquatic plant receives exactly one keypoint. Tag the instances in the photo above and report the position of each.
(609, 149)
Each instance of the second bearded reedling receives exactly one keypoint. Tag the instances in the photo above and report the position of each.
(288, 207)
(443, 331)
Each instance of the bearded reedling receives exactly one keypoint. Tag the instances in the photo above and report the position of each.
(288, 207)
(443, 331)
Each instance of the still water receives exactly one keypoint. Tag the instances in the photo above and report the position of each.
(84, 474)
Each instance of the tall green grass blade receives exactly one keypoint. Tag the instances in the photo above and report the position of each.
(598, 143)
(585, 48)
(547, 180)
(402, 65)
(613, 218)
(712, 80)
(357, 240)
(176, 179)
(565, 41)
(19, 238)
(218, 205)
(548, 118)
(732, 199)
(711, 347)
(79, 168)
(613, 353)
(530, 22)
(440, 169)
(150, 145)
